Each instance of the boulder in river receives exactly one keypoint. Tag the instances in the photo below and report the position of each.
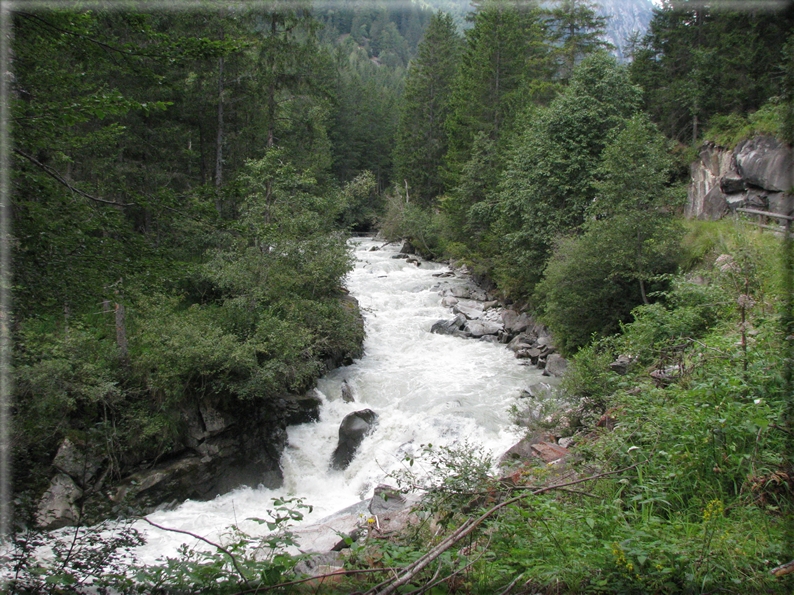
(555, 365)
(448, 327)
(347, 393)
(355, 426)
(481, 328)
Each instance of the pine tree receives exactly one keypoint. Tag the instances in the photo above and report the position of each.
(697, 61)
(576, 31)
(504, 69)
(421, 137)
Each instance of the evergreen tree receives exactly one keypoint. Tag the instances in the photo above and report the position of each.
(504, 51)
(576, 31)
(697, 61)
(504, 68)
(421, 137)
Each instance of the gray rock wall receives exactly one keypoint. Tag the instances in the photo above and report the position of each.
(757, 174)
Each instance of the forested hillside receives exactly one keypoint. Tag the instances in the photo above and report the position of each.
(183, 186)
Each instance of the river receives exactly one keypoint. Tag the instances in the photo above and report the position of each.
(425, 388)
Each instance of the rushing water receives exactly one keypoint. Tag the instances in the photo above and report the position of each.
(426, 388)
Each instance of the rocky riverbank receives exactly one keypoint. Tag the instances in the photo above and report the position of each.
(223, 444)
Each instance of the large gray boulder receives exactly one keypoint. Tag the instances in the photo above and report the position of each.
(448, 327)
(77, 461)
(58, 506)
(469, 311)
(765, 162)
(355, 426)
(516, 323)
(479, 328)
(757, 174)
(555, 365)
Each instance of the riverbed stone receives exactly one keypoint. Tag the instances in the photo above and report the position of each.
(347, 393)
(448, 327)
(472, 313)
(386, 499)
(481, 328)
(354, 427)
(555, 365)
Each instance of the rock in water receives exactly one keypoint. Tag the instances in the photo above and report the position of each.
(354, 427)
(448, 327)
(347, 393)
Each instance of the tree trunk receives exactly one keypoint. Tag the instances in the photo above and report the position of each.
(121, 333)
(219, 140)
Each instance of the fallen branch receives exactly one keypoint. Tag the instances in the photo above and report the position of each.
(207, 541)
(318, 577)
(470, 525)
(783, 569)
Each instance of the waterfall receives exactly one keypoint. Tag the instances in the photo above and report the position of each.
(425, 388)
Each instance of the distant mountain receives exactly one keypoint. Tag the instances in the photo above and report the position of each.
(625, 17)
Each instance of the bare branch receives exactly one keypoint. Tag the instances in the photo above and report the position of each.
(469, 525)
(56, 176)
(207, 541)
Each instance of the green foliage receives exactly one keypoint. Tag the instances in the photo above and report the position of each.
(729, 130)
(421, 138)
(101, 559)
(576, 32)
(362, 204)
(547, 184)
(421, 227)
(690, 69)
(504, 53)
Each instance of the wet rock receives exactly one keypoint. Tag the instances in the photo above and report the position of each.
(472, 313)
(539, 390)
(347, 393)
(302, 409)
(519, 342)
(407, 248)
(459, 292)
(449, 301)
(555, 365)
(448, 327)
(386, 499)
(355, 426)
(481, 328)
(58, 506)
(516, 323)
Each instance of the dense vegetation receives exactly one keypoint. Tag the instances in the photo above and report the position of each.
(183, 184)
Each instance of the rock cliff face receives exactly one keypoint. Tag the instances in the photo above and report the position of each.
(757, 174)
(626, 18)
